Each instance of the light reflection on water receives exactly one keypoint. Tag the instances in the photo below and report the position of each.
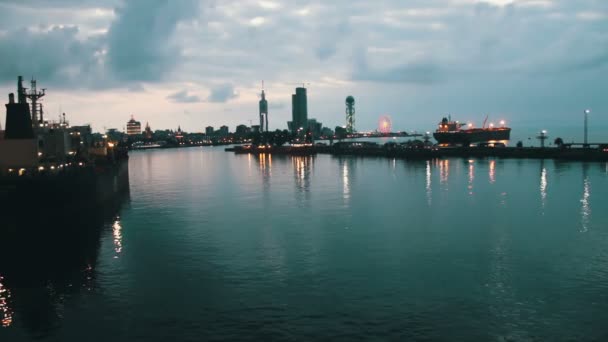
(444, 171)
(345, 182)
(6, 313)
(452, 266)
(543, 186)
(428, 182)
(471, 176)
(117, 233)
(586, 202)
(492, 171)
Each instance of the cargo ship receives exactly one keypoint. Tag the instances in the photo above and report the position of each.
(46, 164)
(451, 133)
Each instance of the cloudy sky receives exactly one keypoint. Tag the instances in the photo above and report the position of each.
(535, 63)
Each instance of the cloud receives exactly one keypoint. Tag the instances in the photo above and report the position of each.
(415, 72)
(183, 97)
(222, 93)
(54, 54)
(139, 40)
(140, 51)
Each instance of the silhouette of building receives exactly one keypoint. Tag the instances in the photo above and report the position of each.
(263, 112)
(350, 114)
(133, 127)
(242, 130)
(299, 110)
(223, 131)
(148, 132)
(179, 135)
(314, 127)
(209, 131)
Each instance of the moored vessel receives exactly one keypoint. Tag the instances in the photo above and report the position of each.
(46, 164)
(451, 133)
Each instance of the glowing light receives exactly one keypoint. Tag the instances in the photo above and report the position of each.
(491, 125)
(384, 124)
(470, 125)
(492, 171)
(110, 145)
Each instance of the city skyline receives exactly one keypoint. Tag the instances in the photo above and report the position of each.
(201, 63)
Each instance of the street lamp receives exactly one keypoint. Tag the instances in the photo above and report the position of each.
(587, 111)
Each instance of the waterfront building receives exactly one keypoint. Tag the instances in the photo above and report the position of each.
(209, 131)
(179, 135)
(148, 132)
(314, 127)
(242, 130)
(133, 127)
(223, 131)
(327, 132)
(299, 110)
(263, 113)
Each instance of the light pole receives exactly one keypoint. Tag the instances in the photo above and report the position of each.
(587, 111)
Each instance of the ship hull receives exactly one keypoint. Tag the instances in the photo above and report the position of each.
(472, 136)
(64, 191)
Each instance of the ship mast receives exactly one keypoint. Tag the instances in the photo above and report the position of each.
(34, 95)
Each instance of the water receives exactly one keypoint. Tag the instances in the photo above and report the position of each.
(215, 246)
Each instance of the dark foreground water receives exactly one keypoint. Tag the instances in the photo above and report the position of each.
(213, 246)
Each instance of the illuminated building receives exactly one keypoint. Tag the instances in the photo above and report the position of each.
(133, 127)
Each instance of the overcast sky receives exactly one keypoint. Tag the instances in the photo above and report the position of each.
(534, 63)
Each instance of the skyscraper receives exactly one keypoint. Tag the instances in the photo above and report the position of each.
(263, 113)
(299, 110)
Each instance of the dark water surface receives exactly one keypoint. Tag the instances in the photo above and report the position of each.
(212, 246)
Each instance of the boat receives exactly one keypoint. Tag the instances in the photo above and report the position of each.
(451, 133)
(47, 164)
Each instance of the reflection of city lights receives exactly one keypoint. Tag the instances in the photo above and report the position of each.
(471, 176)
(586, 207)
(6, 313)
(492, 171)
(543, 186)
(345, 182)
(444, 170)
(117, 233)
(428, 182)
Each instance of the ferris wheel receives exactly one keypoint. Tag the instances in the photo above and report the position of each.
(384, 124)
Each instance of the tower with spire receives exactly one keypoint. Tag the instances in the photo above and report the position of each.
(263, 111)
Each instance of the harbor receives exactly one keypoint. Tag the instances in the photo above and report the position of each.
(594, 152)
